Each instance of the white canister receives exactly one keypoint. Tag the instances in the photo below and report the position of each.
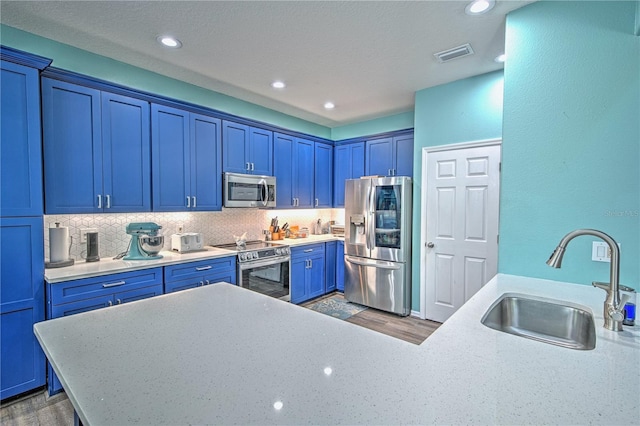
(59, 243)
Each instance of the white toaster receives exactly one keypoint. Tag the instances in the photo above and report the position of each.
(187, 241)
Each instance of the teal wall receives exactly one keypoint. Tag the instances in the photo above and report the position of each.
(371, 127)
(571, 138)
(463, 111)
(87, 63)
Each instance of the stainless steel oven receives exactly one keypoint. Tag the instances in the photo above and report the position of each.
(263, 267)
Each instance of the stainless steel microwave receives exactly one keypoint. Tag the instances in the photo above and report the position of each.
(242, 190)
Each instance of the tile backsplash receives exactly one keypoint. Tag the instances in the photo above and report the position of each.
(216, 227)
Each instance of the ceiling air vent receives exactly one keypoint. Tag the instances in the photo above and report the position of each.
(456, 52)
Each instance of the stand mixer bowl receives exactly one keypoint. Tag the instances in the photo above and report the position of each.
(151, 244)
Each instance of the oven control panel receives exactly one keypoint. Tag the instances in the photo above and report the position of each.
(248, 256)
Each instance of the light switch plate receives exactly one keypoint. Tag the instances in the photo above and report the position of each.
(600, 252)
(83, 233)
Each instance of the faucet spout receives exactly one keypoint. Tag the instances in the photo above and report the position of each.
(613, 306)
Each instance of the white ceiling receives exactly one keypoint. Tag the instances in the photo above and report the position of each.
(369, 58)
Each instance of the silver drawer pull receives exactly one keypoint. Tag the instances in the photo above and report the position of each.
(110, 303)
(118, 301)
(204, 268)
(116, 284)
(308, 251)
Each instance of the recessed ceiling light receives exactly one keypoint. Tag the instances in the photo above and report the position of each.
(501, 58)
(169, 41)
(329, 105)
(478, 7)
(278, 84)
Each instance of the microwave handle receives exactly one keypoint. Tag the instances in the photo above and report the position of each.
(265, 192)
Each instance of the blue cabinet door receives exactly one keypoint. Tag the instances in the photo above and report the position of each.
(126, 154)
(323, 175)
(21, 304)
(348, 164)
(379, 157)
(303, 173)
(316, 280)
(206, 163)
(235, 147)
(340, 266)
(403, 155)
(72, 154)
(283, 169)
(299, 267)
(330, 266)
(20, 144)
(170, 158)
(261, 151)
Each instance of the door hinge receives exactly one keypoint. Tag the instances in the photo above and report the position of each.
(498, 239)
(500, 166)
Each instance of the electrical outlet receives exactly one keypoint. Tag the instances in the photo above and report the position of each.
(600, 252)
(180, 228)
(83, 233)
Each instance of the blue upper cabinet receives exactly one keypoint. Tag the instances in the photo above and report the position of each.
(348, 164)
(126, 156)
(392, 156)
(247, 149)
(96, 150)
(206, 163)
(186, 156)
(283, 169)
(303, 173)
(20, 150)
(323, 175)
(72, 153)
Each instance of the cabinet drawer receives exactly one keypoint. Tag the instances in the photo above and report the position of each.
(180, 285)
(198, 269)
(71, 291)
(307, 250)
(85, 305)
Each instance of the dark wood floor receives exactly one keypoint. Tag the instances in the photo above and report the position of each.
(37, 410)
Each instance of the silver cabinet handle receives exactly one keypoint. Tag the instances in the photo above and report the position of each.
(188, 201)
(118, 302)
(99, 201)
(116, 284)
(248, 166)
(310, 263)
(252, 166)
(108, 197)
(316, 202)
(109, 303)
(308, 251)
(201, 283)
(207, 282)
(194, 202)
(204, 268)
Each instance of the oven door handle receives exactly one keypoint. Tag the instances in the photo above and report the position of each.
(266, 262)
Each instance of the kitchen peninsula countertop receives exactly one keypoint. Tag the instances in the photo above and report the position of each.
(106, 266)
(260, 360)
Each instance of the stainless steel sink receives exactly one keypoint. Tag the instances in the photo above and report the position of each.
(546, 320)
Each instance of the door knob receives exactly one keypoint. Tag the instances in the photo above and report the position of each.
(430, 244)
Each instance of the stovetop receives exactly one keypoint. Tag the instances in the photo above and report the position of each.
(249, 245)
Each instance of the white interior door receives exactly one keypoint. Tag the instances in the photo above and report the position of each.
(462, 188)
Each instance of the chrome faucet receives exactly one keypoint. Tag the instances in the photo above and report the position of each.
(613, 305)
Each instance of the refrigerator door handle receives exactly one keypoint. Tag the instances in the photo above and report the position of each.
(373, 263)
(372, 223)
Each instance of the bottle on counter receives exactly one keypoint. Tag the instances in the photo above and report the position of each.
(630, 306)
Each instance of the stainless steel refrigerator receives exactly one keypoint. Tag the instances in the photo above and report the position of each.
(377, 243)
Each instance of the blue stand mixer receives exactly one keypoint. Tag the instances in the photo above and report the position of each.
(145, 241)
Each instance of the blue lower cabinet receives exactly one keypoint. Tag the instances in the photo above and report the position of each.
(330, 255)
(196, 274)
(22, 304)
(88, 294)
(340, 266)
(307, 272)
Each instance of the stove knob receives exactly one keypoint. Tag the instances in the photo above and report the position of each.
(254, 255)
(243, 257)
(278, 251)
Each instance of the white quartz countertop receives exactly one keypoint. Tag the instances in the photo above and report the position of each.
(106, 266)
(221, 354)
